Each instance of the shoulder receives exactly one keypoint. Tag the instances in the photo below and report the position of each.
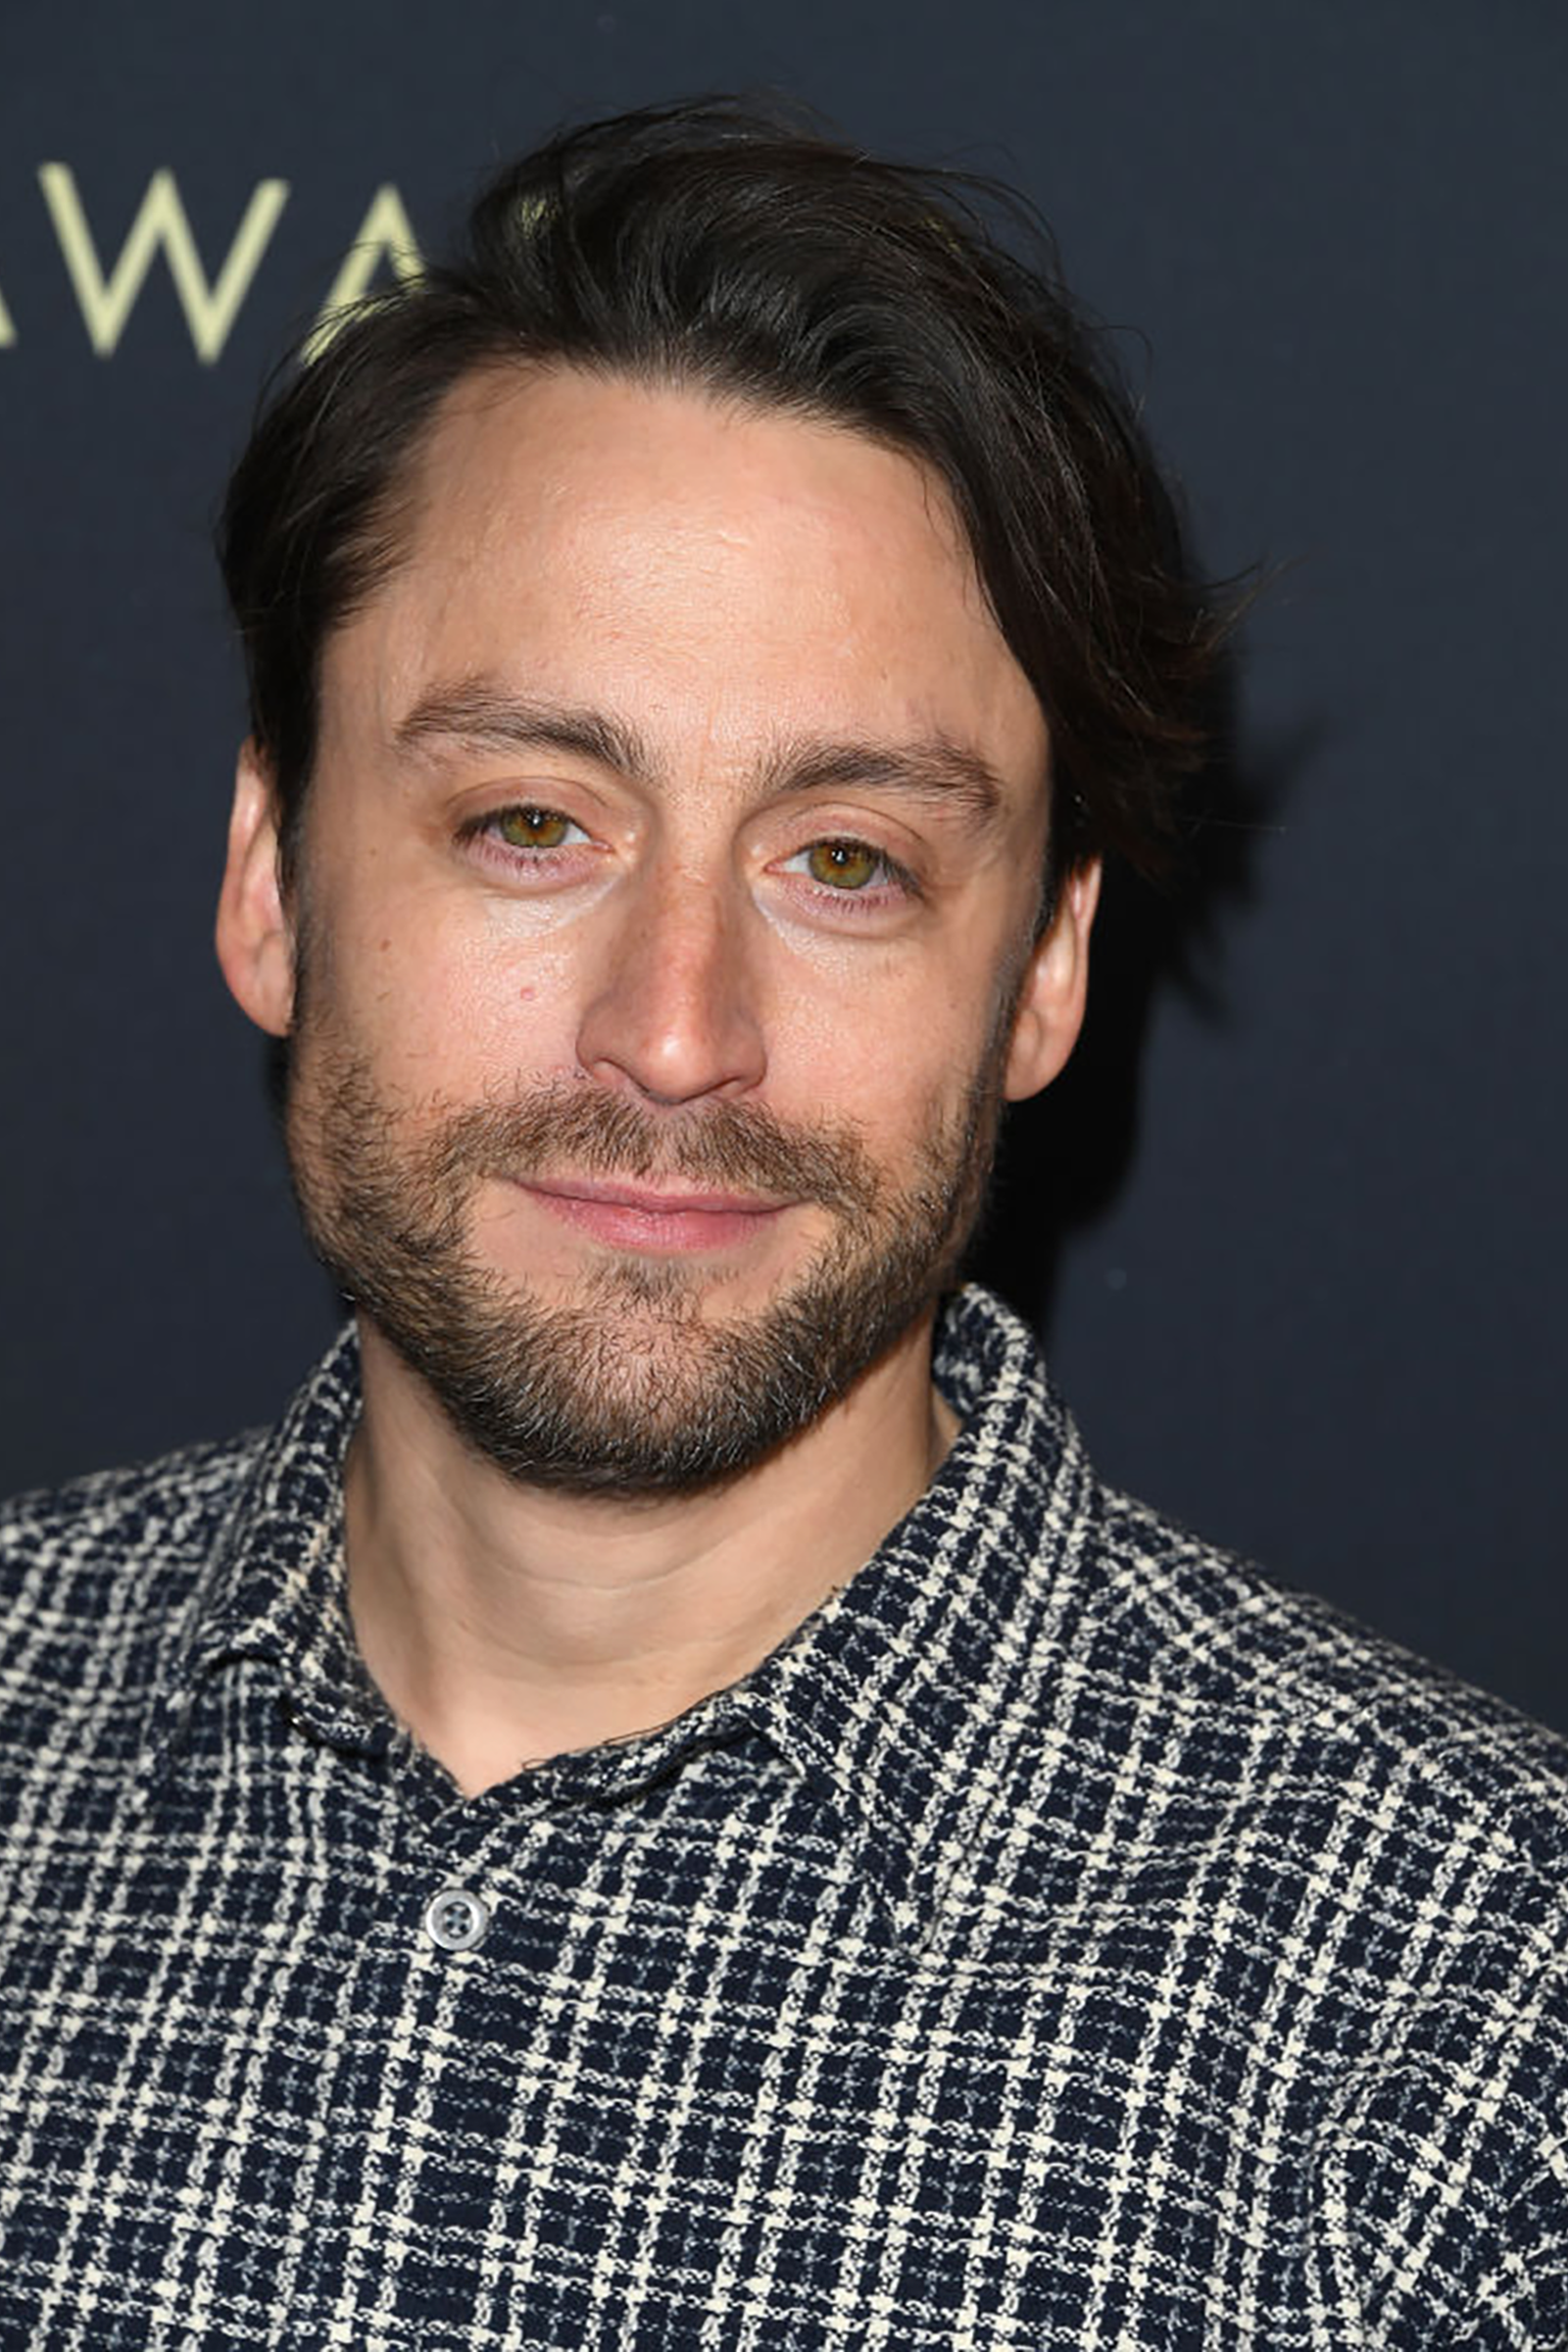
(80, 1563)
(1353, 1868)
(1304, 1689)
(1188, 1690)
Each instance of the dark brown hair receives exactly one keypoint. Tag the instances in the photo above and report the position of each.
(733, 248)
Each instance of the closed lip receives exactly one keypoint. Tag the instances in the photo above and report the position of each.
(651, 1202)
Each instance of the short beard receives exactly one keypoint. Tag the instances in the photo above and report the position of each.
(627, 1390)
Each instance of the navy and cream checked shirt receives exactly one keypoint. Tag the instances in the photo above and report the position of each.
(1068, 1939)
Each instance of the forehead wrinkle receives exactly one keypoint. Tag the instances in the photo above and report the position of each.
(477, 711)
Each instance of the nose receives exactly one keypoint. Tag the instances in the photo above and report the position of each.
(675, 1013)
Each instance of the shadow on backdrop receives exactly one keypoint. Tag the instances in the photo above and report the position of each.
(1066, 1153)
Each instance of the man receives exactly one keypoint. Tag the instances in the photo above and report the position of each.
(663, 1805)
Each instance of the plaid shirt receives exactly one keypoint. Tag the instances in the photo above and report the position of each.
(1066, 1940)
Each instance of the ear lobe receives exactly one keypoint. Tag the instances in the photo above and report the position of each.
(1050, 1003)
(255, 937)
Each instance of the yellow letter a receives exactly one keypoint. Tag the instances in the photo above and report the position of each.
(385, 236)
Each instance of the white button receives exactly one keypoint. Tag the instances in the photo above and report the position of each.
(457, 1920)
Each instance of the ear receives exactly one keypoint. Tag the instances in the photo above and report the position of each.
(255, 936)
(1050, 1002)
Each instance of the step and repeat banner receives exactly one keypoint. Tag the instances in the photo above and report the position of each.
(1291, 1226)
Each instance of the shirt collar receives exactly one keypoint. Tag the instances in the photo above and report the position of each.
(273, 1588)
(907, 1696)
(900, 1700)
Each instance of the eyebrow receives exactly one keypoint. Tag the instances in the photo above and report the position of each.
(471, 711)
(932, 768)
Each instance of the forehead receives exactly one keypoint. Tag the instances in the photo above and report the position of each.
(704, 566)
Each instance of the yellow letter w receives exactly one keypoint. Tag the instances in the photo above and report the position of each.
(106, 302)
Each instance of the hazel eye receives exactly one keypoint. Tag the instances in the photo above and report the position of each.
(848, 865)
(533, 828)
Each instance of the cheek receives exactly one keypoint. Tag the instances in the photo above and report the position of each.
(442, 1004)
(894, 1051)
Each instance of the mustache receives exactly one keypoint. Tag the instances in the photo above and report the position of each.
(563, 1128)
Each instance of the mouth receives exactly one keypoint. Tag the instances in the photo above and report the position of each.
(632, 1216)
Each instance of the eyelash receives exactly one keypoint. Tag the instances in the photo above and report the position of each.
(890, 873)
(483, 833)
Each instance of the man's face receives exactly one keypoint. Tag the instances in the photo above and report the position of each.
(666, 928)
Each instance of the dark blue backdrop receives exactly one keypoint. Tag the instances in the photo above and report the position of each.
(1293, 1229)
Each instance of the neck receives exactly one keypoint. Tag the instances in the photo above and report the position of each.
(507, 1624)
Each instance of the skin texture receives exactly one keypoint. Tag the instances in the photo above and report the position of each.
(691, 906)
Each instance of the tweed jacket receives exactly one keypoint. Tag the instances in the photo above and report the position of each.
(1068, 1939)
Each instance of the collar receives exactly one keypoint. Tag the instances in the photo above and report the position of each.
(902, 1699)
(273, 1588)
(909, 1696)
